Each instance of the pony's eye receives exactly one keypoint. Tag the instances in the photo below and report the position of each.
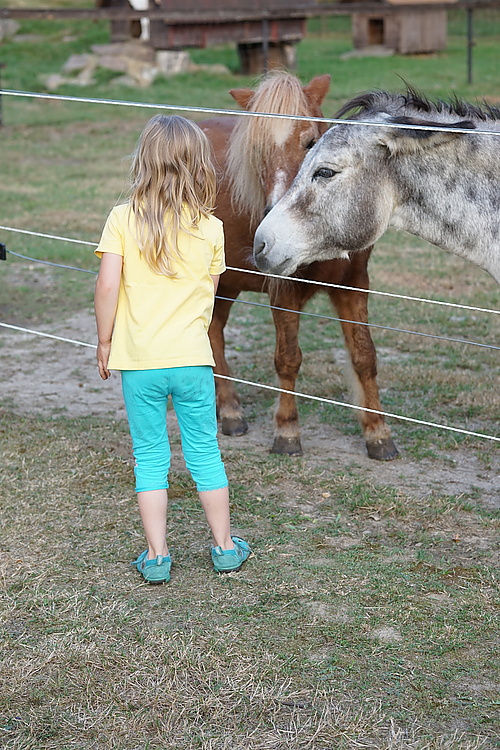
(311, 143)
(324, 172)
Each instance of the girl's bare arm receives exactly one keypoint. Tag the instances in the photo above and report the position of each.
(105, 303)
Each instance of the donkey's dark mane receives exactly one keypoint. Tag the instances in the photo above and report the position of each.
(372, 102)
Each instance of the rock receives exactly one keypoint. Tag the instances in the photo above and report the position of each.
(138, 62)
(125, 81)
(171, 62)
(375, 50)
(76, 63)
(217, 69)
(133, 49)
(141, 72)
(53, 81)
(8, 28)
(118, 63)
(85, 76)
(29, 39)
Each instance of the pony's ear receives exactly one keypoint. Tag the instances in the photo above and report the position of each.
(317, 88)
(411, 140)
(242, 97)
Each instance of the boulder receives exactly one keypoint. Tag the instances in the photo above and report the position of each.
(133, 49)
(118, 63)
(171, 62)
(76, 63)
(141, 72)
(8, 28)
(53, 81)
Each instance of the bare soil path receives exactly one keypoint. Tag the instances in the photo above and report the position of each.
(54, 378)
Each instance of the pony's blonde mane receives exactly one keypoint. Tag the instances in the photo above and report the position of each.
(255, 139)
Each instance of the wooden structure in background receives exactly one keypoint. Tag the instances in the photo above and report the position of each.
(262, 42)
(410, 30)
(379, 12)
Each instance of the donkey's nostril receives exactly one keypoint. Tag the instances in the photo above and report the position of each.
(258, 248)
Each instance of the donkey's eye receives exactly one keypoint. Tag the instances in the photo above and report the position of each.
(309, 145)
(324, 172)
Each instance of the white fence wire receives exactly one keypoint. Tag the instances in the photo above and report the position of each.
(284, 309)
(323, 285)
(242, 113)
(320, 399)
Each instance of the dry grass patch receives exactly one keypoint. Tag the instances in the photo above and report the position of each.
(331, 636)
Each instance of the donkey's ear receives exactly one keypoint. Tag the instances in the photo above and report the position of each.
(411, 140)
(242, 97)
(317, 88)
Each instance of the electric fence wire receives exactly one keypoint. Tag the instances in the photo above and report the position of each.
(288, 310)
(266, 387)
(322, 284)
(243, 113)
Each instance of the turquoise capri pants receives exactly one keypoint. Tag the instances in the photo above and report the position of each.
(192, 390)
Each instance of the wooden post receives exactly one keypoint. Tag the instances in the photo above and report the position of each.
(265, 45)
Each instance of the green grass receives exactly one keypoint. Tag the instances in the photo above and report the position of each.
(367, 617)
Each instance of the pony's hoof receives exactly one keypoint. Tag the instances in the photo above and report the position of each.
(234, 426)
(382, 450)
(287, 446)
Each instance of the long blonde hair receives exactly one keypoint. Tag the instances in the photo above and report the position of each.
(172, 186)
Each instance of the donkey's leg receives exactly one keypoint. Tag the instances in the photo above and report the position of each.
(229, 408)
(287, 360)
(362, 371)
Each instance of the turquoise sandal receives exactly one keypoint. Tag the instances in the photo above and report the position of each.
(156, 570)
(227, 560)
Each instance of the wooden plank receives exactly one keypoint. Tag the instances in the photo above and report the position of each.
(155, 13)
(183, 17)
(178, 37)
(420, 2)
(422, 33)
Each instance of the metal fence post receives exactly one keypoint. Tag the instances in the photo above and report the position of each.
(470, 42)
(2, 65)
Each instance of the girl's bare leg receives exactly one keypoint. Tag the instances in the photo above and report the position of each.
(153, 509)
(216, 506)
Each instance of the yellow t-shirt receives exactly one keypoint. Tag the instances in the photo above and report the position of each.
(162, 321)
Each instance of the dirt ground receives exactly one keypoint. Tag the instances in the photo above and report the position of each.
(51, 378)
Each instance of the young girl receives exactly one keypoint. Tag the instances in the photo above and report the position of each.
(161, 257)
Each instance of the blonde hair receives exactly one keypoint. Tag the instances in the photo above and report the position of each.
(172, 186)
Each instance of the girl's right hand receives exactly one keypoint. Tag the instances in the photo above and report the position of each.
(102, 360)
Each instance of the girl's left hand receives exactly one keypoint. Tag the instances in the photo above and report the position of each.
(102, 360)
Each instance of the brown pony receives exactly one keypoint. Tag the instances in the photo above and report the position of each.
(259, 157)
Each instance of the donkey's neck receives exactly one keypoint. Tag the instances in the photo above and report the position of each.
(460, 214)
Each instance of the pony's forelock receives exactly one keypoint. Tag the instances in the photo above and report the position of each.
(255, 140)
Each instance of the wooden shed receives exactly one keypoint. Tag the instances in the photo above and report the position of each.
(402, 28)
(259, 37)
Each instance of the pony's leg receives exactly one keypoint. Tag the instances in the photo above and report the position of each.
(228, 402)
(362, 370)
(287, 360)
